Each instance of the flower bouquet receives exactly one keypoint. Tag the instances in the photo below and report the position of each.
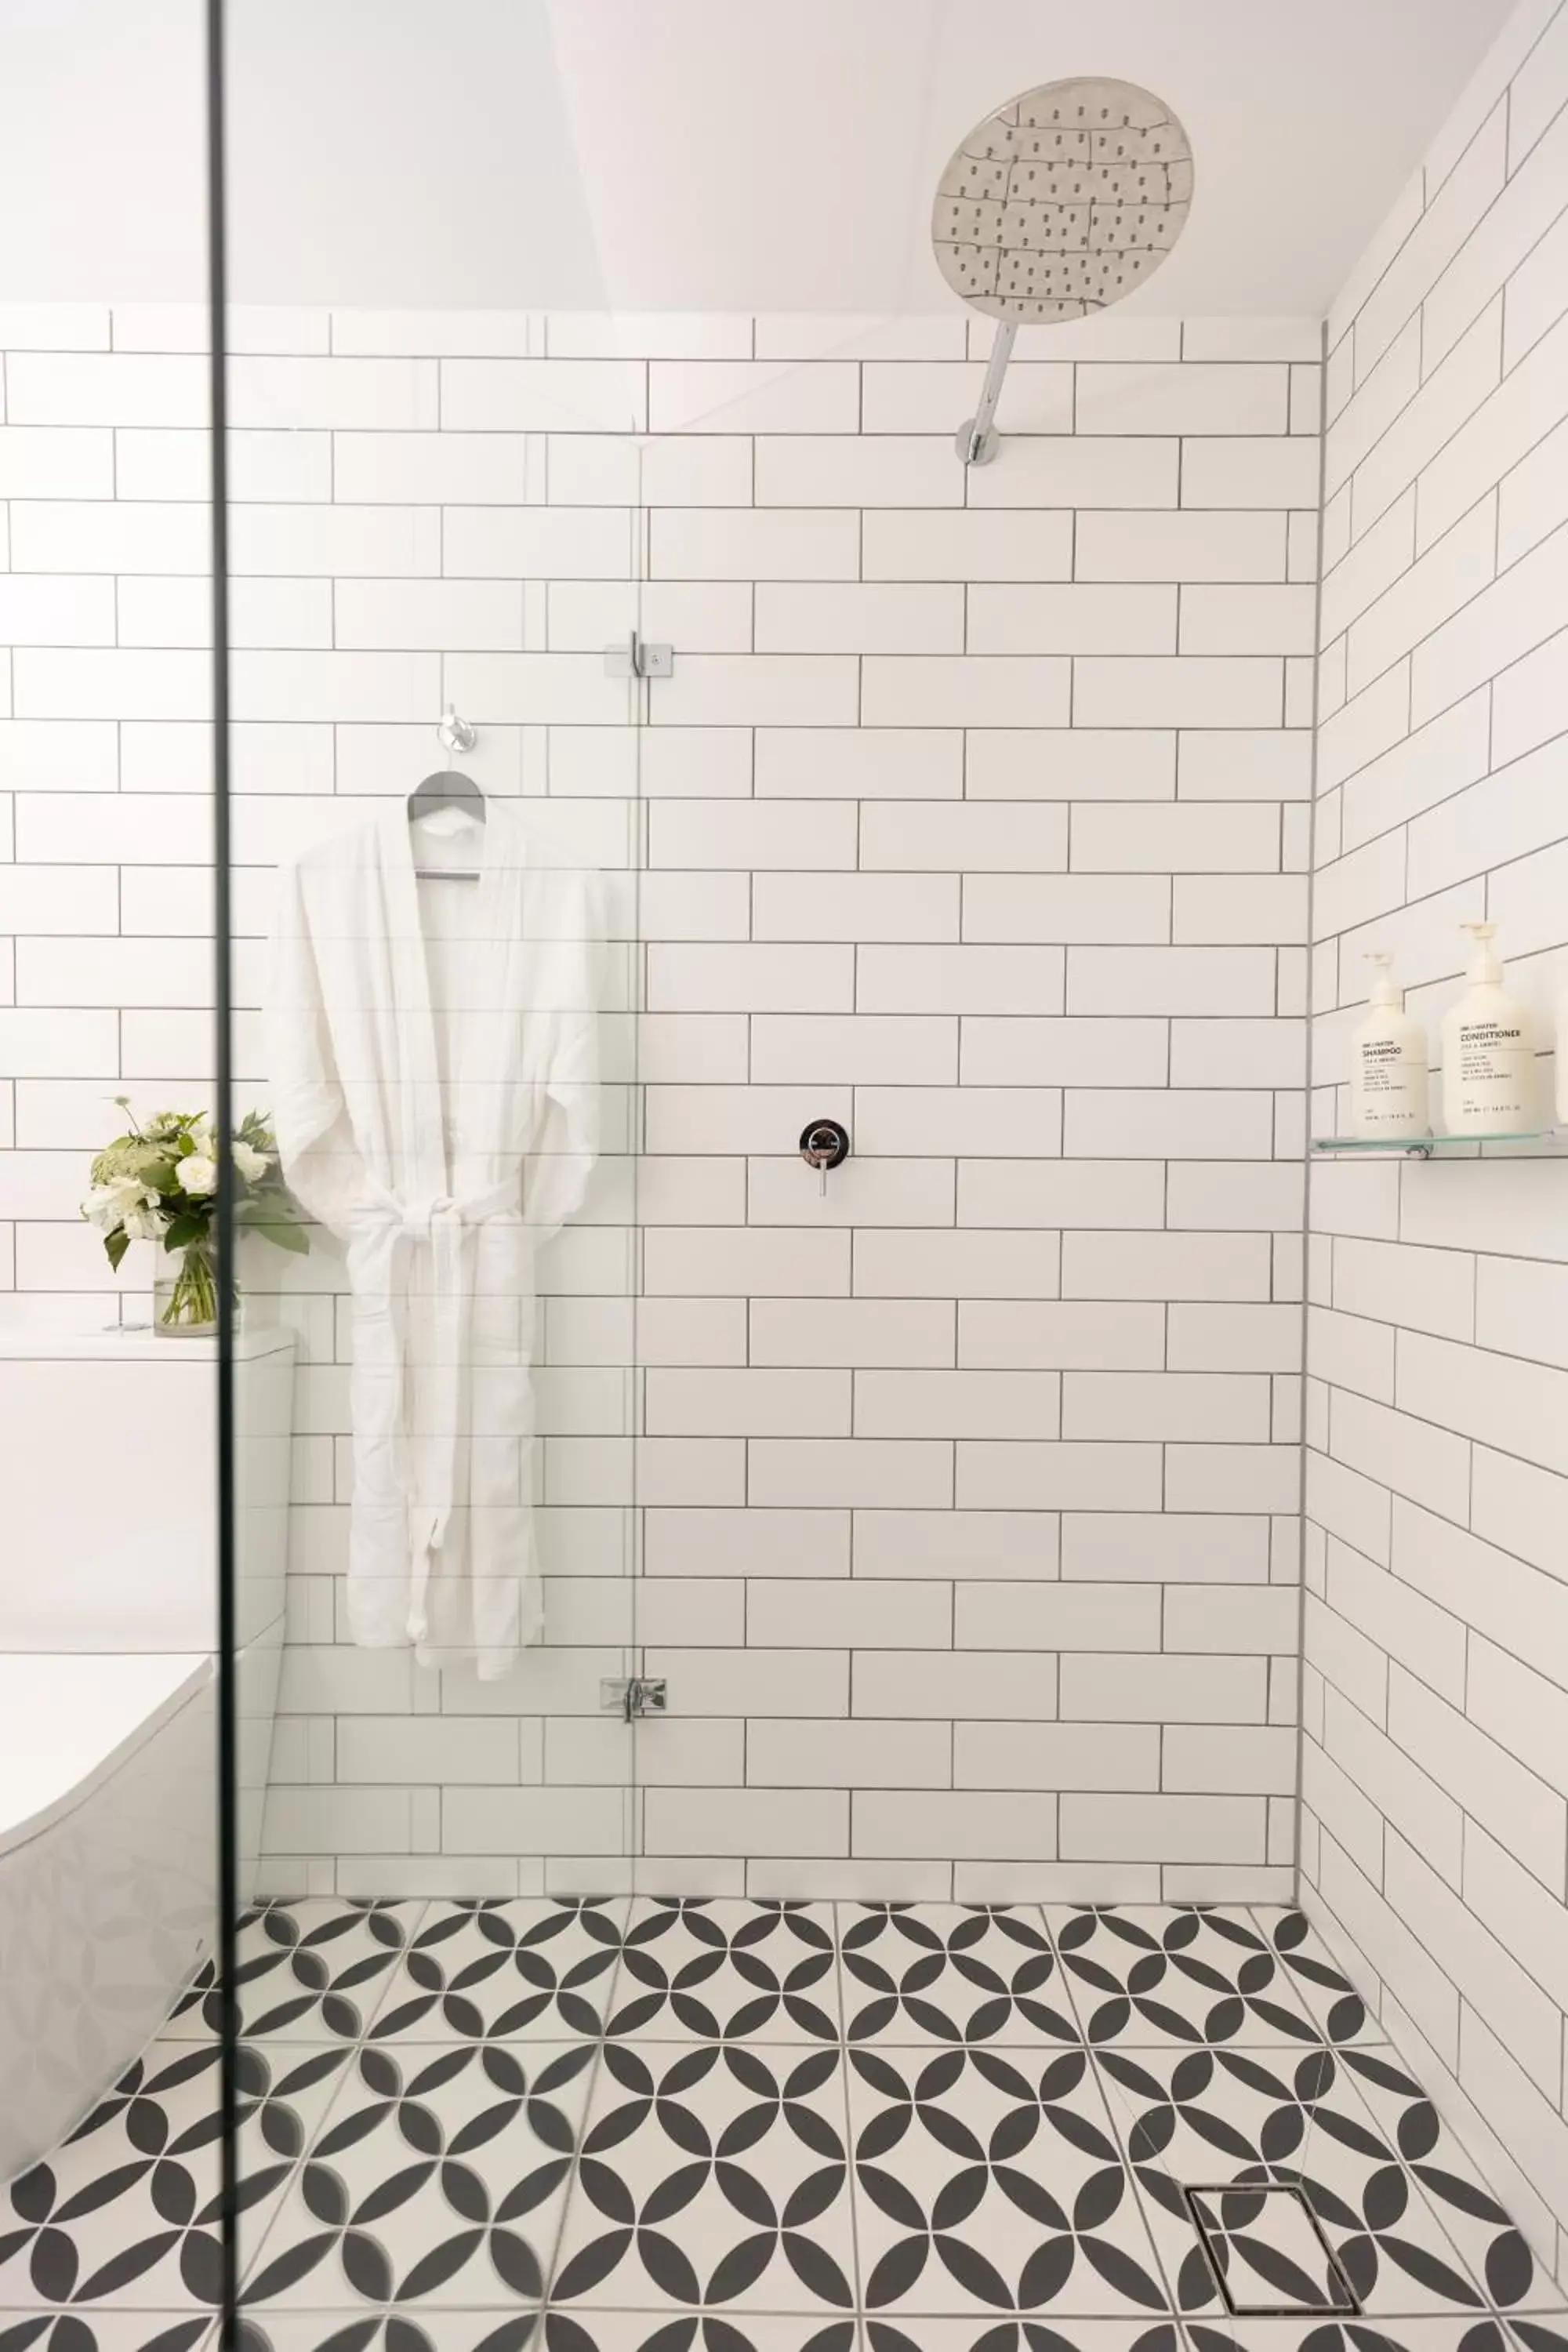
(159, 1183)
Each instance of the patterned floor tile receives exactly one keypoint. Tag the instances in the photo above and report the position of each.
(1166, 1974)
(643, 2331)
(989, 2181)
(873, 2128)
(312, 1970)
(494, 2328)
(989, 2334)
(1451, 2332)
(1214, 2115)
(559, 2331)
(726, 1970)
(949, 1973)
(1267, 2252)
(1406, 2118)
(505, 1971)
(126, 2212)
(1342, 2014)
(440, 2177)
(715, 2175)
(106, 2331)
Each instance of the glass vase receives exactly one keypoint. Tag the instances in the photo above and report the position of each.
(184, 1302)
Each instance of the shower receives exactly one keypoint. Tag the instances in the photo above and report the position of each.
(1055, 205)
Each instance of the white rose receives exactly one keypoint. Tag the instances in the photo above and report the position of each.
(250, 1162)
(197, 1173)
(145, 1224)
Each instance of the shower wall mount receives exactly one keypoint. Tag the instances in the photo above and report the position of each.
(1060, 204)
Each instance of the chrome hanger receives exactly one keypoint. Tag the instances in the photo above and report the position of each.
(450, 788)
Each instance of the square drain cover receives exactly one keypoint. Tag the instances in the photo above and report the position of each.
(1268, 2250)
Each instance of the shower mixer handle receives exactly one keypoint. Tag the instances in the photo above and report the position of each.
(824, 1144)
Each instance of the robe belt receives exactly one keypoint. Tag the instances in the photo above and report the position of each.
(440, 1222)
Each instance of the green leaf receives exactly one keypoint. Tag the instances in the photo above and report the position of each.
(116, 1245)
(185, 1229)
(287, 1237)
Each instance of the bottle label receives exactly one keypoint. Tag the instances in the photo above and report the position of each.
(1495, 1069)
(1389, 1088)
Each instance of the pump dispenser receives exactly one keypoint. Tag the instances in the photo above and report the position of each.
(1388, 1062)
(1489, 1053)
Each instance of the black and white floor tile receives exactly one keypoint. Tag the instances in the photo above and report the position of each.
(125, 2213)
(728, 1972)
(715, 2176)
(554, 2331)
(106, 2331)
(944, 1973)
(1174, 1974)
(1208, 2116)
(315, 1970)
(656, 2126)
(988, 2180)
(441, 2175)
(505, 1971)
(1341, 2013)
(1408, 2123)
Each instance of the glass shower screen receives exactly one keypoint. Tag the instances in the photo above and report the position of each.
(435, 829)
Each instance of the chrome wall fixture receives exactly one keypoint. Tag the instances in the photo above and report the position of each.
(456, 733)
(1060, 203)
(978, 439)
(633, 657)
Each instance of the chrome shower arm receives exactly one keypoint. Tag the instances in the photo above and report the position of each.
(977, 441)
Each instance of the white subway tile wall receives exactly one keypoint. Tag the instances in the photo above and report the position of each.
(974, 820)
(1434, 1835)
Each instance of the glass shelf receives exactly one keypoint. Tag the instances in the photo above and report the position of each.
(1423, 1146)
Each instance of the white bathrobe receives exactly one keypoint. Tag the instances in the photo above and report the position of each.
(434, 1086)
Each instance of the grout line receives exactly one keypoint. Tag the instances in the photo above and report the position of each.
(1309, 1026)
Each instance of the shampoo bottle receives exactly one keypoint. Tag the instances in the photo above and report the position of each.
(1388, 1062)
(1488, 1055)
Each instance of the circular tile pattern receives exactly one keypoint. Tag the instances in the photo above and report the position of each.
(728, 1972)
(723, 2174)
(308, 1970)
(441, 2173)
(951, 1974)
(71, 2331)
(1183, 1974)
(1241, 2117)
(494, 1971)
(1002, 2133)
(1002, 2170)
(127, 2211)
(1329, 1995)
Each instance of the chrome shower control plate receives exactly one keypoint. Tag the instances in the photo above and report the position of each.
(824, 1143)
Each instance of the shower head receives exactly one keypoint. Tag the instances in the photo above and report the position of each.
(1063, 201)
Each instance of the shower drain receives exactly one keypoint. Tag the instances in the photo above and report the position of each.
(1267, 2249)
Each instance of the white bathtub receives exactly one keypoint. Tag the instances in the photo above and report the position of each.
(108, 1624)
(108, 1856)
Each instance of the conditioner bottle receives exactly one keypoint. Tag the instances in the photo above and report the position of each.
(1388, 1063)
(1489, 1053)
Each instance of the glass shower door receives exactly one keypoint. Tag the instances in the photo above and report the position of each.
(432, 594)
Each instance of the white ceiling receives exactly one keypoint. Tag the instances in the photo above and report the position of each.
(680, 154)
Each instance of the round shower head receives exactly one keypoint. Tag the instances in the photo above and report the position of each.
(1063, 201)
